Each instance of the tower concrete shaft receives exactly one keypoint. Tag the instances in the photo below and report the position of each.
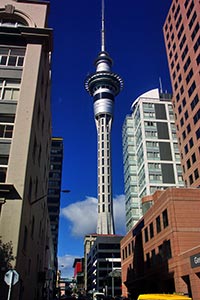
(103, 86)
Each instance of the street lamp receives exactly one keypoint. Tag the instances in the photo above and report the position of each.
(114, 273)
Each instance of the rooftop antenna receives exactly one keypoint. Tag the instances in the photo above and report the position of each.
(102, 26)
(160, 81)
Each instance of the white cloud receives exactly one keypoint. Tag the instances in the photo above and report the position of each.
(65, 264)
(119, 214)
(83, 216)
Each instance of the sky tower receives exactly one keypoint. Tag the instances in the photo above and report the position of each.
(103, 86)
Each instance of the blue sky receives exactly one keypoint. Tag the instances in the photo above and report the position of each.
(134, 40)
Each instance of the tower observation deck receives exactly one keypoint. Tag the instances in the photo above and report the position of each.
(103, 86)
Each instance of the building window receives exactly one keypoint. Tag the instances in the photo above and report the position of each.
(186, 3)
(186, 149)
(146, 236)
(196, 173)
(12, 56)
(176, 12)
(188, 61)
(184, 135)
(191, 143)
(6, 131)
(188, 164)
(11, 23)
(158, 224)
(168, 251)
(194, 158)
(192, 88)
(189, 76)
(181, 122)
(191, 179)
(198, 59)
(186, 115)
(192, 19)
(165, 218)
(182, 42)
(194, 102)
(188, 128)
(196, 29)
(190, 9)
(184, 53)
(198, 134)
(178, 22)
(4, 159)
(196, 45)
(180, 32)
(3, 171)
(196, 117)
(9, 89)
(151, 230)
(177, 97)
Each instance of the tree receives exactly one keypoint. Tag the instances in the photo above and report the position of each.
(6, 255)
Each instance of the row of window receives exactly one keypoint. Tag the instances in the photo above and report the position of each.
(12, 57)
(176, 11)
(149, 231)
(164, 252)
(194, 176)
(101, 208)
(128, 250)
(11, 22)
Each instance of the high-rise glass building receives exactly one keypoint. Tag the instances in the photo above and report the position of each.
(182, 40)
(150, 152)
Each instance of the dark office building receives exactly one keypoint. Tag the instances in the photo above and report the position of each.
(104, 265)
(54, 188)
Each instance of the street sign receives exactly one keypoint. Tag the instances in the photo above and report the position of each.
(11, 277)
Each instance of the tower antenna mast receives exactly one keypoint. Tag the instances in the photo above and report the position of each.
(103, 86)
(102, 26)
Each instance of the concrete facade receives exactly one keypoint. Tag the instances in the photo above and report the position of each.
(182, 40)
(161, 252)
(25, 120)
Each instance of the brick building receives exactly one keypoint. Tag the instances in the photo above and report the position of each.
(182, 40)
(162, 252)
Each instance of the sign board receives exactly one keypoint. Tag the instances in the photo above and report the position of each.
(11, 277)
(195, 260)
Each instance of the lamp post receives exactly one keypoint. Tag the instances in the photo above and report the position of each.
(113, 282)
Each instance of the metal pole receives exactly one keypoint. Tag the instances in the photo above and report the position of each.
(10, 286)
(113, 293)
(113, 280)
